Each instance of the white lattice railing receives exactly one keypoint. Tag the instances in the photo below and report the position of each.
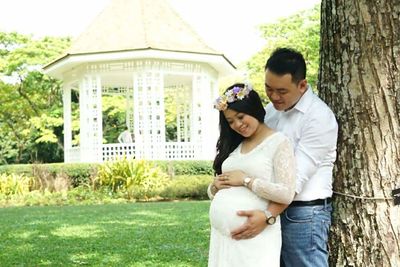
(73, 154)
(181, 150)
(173, 151)
(113, 152)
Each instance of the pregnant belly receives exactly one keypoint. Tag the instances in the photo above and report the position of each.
(225, 205)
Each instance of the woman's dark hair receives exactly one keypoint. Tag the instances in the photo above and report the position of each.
(229, 139)
(287, 61)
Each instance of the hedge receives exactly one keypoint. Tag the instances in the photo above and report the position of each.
(80, 173)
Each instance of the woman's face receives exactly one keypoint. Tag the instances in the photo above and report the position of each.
(243, 124)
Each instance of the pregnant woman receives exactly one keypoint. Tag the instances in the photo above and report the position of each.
(254, 166)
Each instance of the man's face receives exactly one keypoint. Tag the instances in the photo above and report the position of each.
(282, 91)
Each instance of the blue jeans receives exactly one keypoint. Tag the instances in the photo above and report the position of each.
(305, 236)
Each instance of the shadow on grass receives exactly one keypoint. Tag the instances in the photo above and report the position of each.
(137, 234)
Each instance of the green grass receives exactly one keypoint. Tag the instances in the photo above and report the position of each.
(135, 234)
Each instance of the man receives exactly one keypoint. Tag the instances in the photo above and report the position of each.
(125, 136)
(311, 125)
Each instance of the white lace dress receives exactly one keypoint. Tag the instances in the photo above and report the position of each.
(271, 163)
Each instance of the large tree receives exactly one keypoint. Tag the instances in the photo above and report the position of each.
(360, 79)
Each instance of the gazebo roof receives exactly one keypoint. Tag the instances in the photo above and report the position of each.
(138, 29)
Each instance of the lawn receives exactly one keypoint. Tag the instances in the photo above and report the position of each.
(135, 234)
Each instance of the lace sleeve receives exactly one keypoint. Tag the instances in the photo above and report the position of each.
(282, 189)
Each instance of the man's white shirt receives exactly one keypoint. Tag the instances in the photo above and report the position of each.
(312, 128)
(125, 137)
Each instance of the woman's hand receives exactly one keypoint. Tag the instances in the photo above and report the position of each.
(231, 178)
(219, 183)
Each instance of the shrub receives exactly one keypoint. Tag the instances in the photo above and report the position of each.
(192, 187)
(77, 173)
(14, 184)
(82, 173)
(186, 167)
(139, 179)
(59, 183)
(50, 181)
(25, 169)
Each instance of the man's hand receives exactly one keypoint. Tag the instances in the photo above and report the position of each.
(254, 225)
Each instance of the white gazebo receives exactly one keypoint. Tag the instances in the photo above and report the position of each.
(139, 49)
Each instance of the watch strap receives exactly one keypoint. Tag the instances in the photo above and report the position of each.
(270, 219)
(246, 181)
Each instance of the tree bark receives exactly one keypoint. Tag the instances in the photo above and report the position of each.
(359, 79)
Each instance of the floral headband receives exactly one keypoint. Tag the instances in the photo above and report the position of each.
(232, 95)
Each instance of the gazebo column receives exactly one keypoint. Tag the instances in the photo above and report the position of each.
(196, 123)
(91, 129)
(203, 120)
(148, 97)
(130, 110)
(67, 123)
(210, 117)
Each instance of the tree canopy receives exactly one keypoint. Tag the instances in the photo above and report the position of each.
(300, 31)
(30, 102)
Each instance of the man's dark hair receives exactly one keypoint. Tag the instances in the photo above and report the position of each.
(287, 61)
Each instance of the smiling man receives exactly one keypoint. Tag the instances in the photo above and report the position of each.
(312, 128)
(284, 91)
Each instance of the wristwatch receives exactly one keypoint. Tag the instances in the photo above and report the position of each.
(270, 218)
(246, 181)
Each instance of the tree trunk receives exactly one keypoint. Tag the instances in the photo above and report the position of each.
(360, 79)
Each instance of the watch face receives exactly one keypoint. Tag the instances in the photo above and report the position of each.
(271, 220)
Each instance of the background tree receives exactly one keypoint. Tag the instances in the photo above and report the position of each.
(300, 31)
(360, 80)
(30, 102)
(114, 118)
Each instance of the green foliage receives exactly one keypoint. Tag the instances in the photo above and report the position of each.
(171, 110)
(30, 102)
(13, 184)
(19, 52)
(83, 173)
(192, 187)
(114, 117)
(186, 167)
(121, 181)
(137, 178)
(44, 126)
(81, 195)
(46, 181)
(77, 173)
(8, 146)
(20, 190)
(300, 31)
(25, 169)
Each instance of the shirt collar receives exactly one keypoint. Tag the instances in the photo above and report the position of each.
(305, 101)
